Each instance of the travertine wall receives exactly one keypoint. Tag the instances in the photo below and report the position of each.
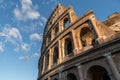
(72, 45)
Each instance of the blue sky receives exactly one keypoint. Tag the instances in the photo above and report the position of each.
(21, 27)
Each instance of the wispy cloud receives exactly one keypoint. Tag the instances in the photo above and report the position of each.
(25, 47)
(1, 48)
(22, 47)
(24, 58)
(36, 36)
(29, 58)
(13, 36)
(43, 19)
(2, 5)
(35, 55)
(26, 11)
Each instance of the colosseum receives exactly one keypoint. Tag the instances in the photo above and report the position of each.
(80, 48)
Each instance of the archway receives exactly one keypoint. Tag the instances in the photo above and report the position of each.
(55, 55)
(97, 73)
(87, 37)
(68, 46)
(55, 79)
(71, 76)
(66, 22)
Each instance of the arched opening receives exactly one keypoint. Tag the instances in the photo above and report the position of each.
(49, 38)
(71, 76)
(66, 22)
(41, 65)
(87, 37)
(46, 61)
(55, 79)
(56, 30)
(46, 79)
(97, 73)
(55, 56)
(68, 46)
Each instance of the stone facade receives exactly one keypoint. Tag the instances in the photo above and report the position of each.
(80, 48)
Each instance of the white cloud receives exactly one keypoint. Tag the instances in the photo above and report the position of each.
(27, 11)
(17, 49)
(2, 34)
(22, 47)
(36, 36)
(40, 23)
(11, 35)
(13, 32)
(29, 58)
(43, 19)
(35, 55)
(24, 58)
(1, 48)
(25, 47)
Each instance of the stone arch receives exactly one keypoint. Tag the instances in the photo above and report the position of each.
(41, 64)
(88, 66)
(97, 72)
(68, 46)
(47, 61)
(66, 21)
(55, 55)
(71, 76)
(86, 37)
(56, 30)
(78, 33)
(46, 79)
(55, 79)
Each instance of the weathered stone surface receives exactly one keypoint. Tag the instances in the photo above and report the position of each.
(80, 48)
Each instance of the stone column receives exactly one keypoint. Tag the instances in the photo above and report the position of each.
(74, 42)
(60, 75)
(52, 34)
(64, 75)
(59, 25)
(93, 21)
(72, 15)
(97, 30)
(60, 54)
(51, 55)
(50, 59)
(112, 66)
(49, 78)
(62, 50)
(43, 65)
(79, 67)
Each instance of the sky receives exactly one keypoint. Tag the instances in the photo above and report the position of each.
(21, 28)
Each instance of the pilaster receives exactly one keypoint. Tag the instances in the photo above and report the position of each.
(79, 67)
(43, 65)
(74, 42)
(112, 66)
(60, 54)
(50, 59)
